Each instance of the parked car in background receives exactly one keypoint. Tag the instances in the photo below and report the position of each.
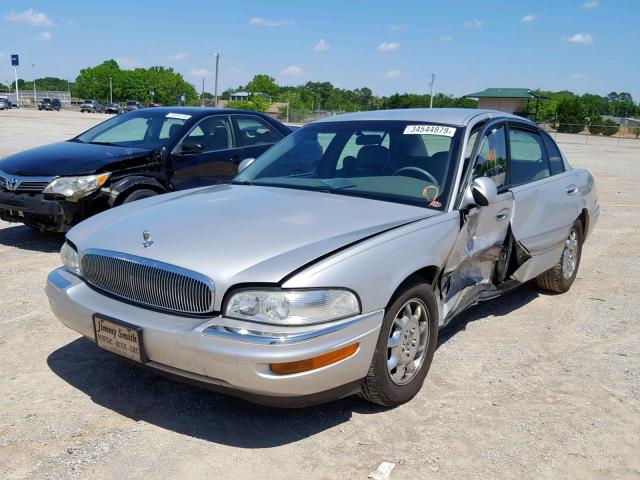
(133, 105)
(5, 104)
(113, 108)
(131, 156)
(328, 265)
(154, 104)
(50, 104)
(91, 106)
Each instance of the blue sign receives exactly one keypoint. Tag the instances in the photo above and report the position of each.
(14, 61)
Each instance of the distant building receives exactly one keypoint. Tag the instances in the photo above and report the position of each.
(245, 96)
(510, 100)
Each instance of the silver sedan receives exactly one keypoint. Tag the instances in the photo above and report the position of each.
(328, 266)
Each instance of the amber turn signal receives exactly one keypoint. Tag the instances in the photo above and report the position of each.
(315, 362)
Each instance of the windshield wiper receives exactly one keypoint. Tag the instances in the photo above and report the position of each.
(240, 182)
(76, 140)
(109, 144)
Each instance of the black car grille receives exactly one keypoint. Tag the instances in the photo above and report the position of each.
(19, 184)
(148, 282)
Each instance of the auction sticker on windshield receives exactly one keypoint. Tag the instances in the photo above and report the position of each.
(429, 130)
(118, 337)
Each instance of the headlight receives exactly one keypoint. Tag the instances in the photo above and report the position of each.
(292, 307)
(76, 187)
(70, 258)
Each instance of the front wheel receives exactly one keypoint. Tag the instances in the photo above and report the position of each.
(405, 348)
(560, 278)
(139, 195)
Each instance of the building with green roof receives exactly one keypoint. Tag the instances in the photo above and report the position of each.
(510, 100)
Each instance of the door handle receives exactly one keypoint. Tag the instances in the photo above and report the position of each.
(572, 189)
(502, 214)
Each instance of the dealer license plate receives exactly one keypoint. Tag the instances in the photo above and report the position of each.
(118, 337)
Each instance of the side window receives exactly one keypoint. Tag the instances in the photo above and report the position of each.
(255, 131)
(213, 133)
(555, 158)
(170, 128)
(492, 157)
(528, 160)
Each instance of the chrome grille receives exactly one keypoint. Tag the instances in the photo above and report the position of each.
(148, 282)
(23, 184)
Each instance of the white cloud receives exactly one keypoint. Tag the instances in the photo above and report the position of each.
(44, 36)
(127, 62)
(591, 4)
(178, 56)
(583, 38)
(30, 17)
(393, 74)
(388, 46)
(446, 38)
(528, 18)
(199, 72)
(292, 70)
(475, 23)
(265, 22)
(322, 46)
(398, 28)
(579, 76)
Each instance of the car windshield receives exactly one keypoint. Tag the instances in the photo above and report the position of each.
(140, 129)
(405, 162)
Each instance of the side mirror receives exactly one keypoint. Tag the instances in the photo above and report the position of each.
(245, 163)
(484, 191)
(191, 148)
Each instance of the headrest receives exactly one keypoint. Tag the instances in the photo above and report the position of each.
(368, 139)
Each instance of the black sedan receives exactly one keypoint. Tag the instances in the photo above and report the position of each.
(50, 104)
(131, 156)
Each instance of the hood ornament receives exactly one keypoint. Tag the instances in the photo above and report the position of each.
(146, 239)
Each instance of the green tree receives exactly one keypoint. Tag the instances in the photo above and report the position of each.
(610, 127)
(570, 115)
(263, 84)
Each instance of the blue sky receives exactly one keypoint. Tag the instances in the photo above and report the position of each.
(389, 46)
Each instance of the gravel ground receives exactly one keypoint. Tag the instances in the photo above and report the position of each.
(527, 386)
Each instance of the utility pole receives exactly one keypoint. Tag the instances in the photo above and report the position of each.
(110, 90)
(433, 81)
(215, 89)
(34, 86)
(202, 92)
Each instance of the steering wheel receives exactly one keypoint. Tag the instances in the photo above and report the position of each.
(430, 177)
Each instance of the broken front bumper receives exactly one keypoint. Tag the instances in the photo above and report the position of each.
(37, 211)
(226, 354)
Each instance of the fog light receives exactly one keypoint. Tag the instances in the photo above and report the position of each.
(315, 362)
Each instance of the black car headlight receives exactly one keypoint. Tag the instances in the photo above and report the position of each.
(76, 187)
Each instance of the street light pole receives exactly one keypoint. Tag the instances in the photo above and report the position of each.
(110, 90)
(433, 81)
(35, 101)
(15, 71)
(215, 89)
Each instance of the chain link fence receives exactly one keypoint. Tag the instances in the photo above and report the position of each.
(593, 134)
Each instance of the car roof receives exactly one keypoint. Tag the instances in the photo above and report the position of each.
(450, 116)
(199, 111)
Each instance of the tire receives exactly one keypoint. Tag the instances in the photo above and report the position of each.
(139, 195)
(388, 387)
(560, 278)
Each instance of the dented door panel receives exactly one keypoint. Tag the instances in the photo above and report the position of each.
(469, 270)
(543, 213)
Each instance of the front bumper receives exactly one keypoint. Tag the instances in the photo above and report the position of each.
(226, 353)
(40, 212)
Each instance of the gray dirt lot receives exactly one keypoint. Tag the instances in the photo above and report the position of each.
(527, 386)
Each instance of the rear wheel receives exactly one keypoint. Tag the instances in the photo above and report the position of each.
(405, 347)
(560, 278)
(139, 195)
